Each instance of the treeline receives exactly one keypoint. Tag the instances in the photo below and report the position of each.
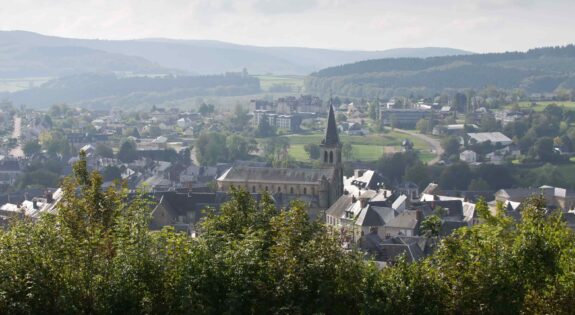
(536, 71)
(96, 256)
(134, 90)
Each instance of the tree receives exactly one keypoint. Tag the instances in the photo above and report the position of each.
(456, 176)
(543, 149)
(423, 126)
(340, 117)
(265, 130)
(206, 109)
(155, 131)
(372, 106)
(31, 147)
(111, 173)
(239, 147)
(104, 151)
(312, 150)
(431, 226)
(347, 151)
(211, 148)
(450, 146)
(478, 184)
(418, 174)
(128, 152)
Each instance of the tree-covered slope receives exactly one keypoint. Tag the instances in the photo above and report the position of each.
(537, 70)
(104, 90)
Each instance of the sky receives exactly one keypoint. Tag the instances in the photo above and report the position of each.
(474, 25)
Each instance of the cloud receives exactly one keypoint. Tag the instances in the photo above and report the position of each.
(284, 6)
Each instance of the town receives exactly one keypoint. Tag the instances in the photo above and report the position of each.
(287, 157)
(188, 161)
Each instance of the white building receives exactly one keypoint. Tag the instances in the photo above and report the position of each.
(468, 156)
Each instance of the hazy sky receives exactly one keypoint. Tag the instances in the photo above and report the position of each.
(476, 25)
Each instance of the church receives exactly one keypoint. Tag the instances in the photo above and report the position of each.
(318, 187)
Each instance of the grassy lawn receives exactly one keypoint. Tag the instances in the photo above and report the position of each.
(365, 148)
(294, 81)
(541, 105)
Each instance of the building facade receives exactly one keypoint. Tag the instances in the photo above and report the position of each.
(319, 187)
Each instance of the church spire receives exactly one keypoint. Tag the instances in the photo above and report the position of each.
(331, 136)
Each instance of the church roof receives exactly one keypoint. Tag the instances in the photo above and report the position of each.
(331, 136)
(275, 175)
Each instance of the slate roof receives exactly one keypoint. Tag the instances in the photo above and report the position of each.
(274, 175)
(394, 247)
(406, 219)
(337, 209)
(331, 136)
(10, 166)
(494, 137)
(369, 217)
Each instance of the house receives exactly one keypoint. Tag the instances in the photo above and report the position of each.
(555, 197)
(403, 117)
(496, 138)
(182, 210)
(10, 169)
(363, 211)
(468, 156)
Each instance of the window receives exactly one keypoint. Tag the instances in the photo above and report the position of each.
(279, 189)
(305, 191)
(253, 189)
(291, 190)
(266, 188)
(331, 157)
(325, 157)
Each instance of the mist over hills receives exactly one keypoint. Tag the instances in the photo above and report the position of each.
(31, 54)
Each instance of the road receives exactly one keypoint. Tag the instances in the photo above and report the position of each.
(17, 134)
(433, 143)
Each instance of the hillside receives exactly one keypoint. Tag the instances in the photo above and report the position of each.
(31, 54)
(536, 71)
(105, 91)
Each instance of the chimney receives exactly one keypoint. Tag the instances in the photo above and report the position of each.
(35, 204)
(358, 173)
(363, 202)
(353, 199)
(419, 215)
(48, 196)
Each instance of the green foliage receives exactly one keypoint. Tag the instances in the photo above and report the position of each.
(206, 109)
(104, 151)
(264, 129)
(312, 150)
(450, 146)
(347, 151)
(31, 147)
(95, 255)
(211, 148)
(128, 152)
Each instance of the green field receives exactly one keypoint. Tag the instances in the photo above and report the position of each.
(365, 148)
(293, 81)
(18, 84)
(540, 106)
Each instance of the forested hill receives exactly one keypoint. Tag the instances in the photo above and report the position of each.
(536, 71)
(100, 90)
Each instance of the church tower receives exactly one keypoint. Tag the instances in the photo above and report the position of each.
(330, 155)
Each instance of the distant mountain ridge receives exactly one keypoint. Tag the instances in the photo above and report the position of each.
(31, 54)
(540, 70)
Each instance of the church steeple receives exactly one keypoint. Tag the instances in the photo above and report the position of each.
(330, 155)
(331, 137)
